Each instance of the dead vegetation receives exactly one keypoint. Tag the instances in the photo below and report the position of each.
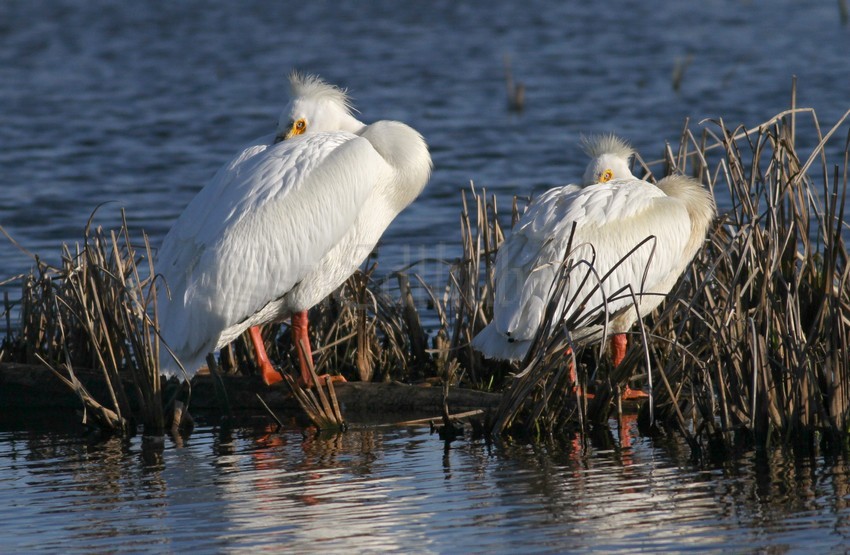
(94, 311)
(757, 338)
(753, 339)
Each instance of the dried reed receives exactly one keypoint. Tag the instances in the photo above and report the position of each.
(322, 409)
(756, 339)
(92, 312)
(753, 338)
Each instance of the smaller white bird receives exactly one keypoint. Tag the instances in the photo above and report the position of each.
(614, 213)
(284, 224)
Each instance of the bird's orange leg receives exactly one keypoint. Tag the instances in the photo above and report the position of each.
(300, 336)
(619, 343)
(267, 371)
(301, 342)
(574, 376)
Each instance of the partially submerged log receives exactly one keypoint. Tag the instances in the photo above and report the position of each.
(358, 397)
(30, 386)
(33, 387)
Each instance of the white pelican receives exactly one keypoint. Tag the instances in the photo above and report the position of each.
(283, 224)
(613, 212)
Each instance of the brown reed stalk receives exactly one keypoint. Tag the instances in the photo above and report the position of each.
(365, 331)
(93, 312)
(756, 337)
(322, 409)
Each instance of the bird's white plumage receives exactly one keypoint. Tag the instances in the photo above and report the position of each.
(283, 224)
(611, 219)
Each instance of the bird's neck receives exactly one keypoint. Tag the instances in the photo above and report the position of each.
(406, 153)
(352, 125)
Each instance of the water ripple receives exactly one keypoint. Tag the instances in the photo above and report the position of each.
(401, 490)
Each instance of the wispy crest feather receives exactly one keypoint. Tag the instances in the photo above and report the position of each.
(597, 145)
(304, 85)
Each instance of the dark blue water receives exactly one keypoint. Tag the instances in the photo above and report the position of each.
(136, 104)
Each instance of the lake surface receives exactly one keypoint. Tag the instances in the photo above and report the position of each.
(137, 104)
(403, 490)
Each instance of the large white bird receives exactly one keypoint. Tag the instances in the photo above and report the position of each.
(614, 212)
(283, 224)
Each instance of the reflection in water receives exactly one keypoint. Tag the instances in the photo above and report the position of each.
(406, 490)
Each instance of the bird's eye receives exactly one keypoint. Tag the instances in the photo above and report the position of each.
(606, 176)
(297, 127)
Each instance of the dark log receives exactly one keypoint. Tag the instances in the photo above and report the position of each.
(32, 387)
(359, 397)
(25, 386)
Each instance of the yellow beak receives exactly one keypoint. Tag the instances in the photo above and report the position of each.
(297, 128)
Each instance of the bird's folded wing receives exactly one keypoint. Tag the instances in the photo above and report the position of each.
(611, 219)
(262, 224)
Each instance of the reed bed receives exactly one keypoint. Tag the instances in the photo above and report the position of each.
(93, 312)
(753, 340)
